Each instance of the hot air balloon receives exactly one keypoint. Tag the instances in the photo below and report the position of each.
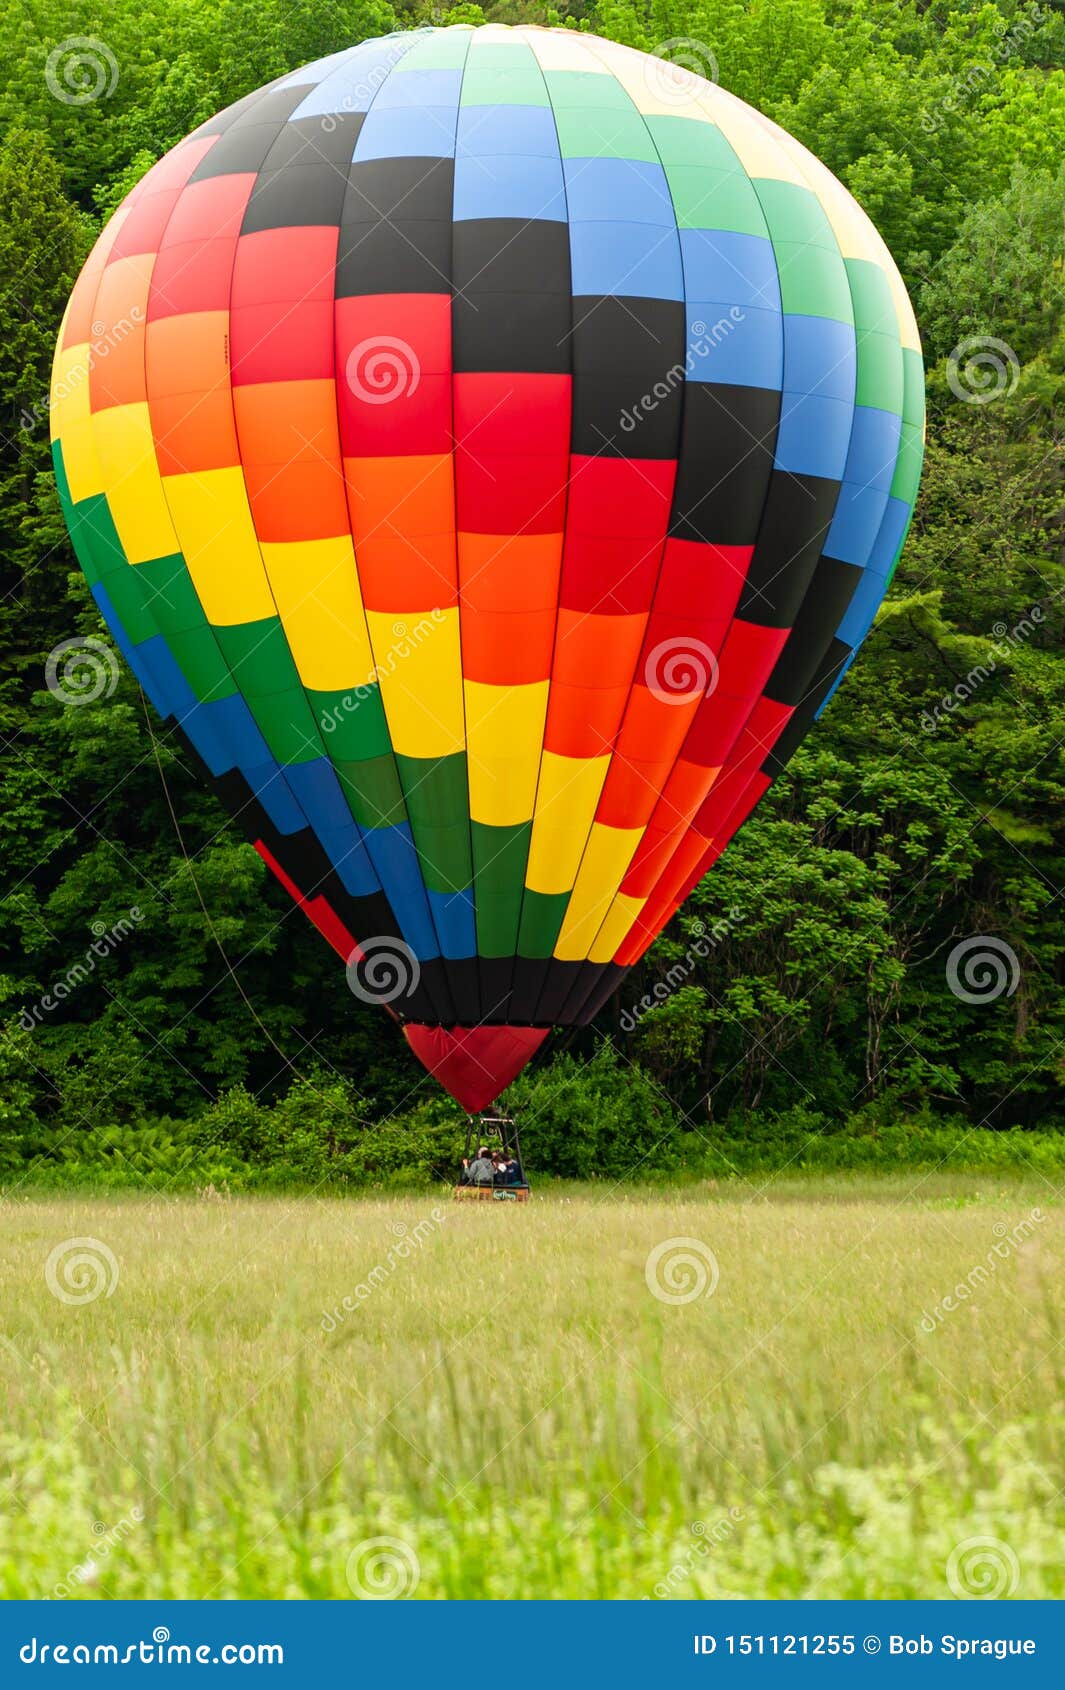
(488, 448)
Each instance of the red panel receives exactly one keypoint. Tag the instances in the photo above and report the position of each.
(702, 579)
(286, 264)
(143, 229)
(508, 495)
(509, 412)
(749, 657)
(393, 367)
(285, 341)
(625, 497)
(609, 575)
(194, 276)
(213, 207)
(474, 1063)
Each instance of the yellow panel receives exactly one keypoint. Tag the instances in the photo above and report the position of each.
(760, 153)
(566, 799)
(71, 422)
(123, 436)
(620, 917)
(504, 736)
(420, 672)
(316, 589)
(215, 533)
(606, 857)
(667, 92)
(561, 49)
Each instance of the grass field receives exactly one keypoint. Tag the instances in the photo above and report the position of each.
(556, 1400)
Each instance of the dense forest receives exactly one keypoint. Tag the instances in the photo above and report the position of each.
(876, 953)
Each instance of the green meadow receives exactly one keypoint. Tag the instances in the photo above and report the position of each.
(843, 1386)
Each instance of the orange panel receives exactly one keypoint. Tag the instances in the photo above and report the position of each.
(288, 422)
(187, 354)
(406, 574)
(653, 727)
(597, 651)
(583, 721)
(504, 572)
(507, 649)
(298, 502)
(194, 433)
(412, 495)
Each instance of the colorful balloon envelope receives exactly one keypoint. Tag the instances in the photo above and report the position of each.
(488, 448)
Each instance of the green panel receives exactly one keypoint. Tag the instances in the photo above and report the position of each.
(794, 214)
(691, 141)
(913, 387)
(95, 538)
(500, 56)
(352, 723)
(874, 308)
(440, 49)
(286, 724)
(258, 654)
(124, 590)
(436, 789)
(542, 915)
(372, 790)
(444, 855)
(707, 198)
(813, 282)
(879, 372)
(908, 465)
(170, 594)
(484, 87)
(898, 554)
(586, 91)
(498, 915)
(589, 133)
(196, 652)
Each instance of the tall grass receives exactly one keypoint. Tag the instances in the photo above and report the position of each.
(505, 1399)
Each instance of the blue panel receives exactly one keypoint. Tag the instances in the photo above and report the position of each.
(856, 523)
(355, 79)
(425, 133)
(861, 610)
(237, 727)
(393, 855)
(874, 448)
(416, 89)
(635, 260)
(889, 540)
(722, 265)
(610, 188)
(735, 344)
(346, 851)
(271, 789)
(495, 131)
(509, 187)
(819, 357)
(453, 917)
(814, 435)
(316, 72)
(319, 793)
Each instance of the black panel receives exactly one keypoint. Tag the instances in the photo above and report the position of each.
(588, 977)
(561, 979)
(608, 983)
(311, 140)
(238, 152)
(413, 190)
(392, 258)
(512, 255)
(463, 990)
(798, 515)
(822, 610)
(628, 358)
(498, 331)
(495, 977)
(297, 196)
(726, 461)
(799, 725)
(527, 983)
